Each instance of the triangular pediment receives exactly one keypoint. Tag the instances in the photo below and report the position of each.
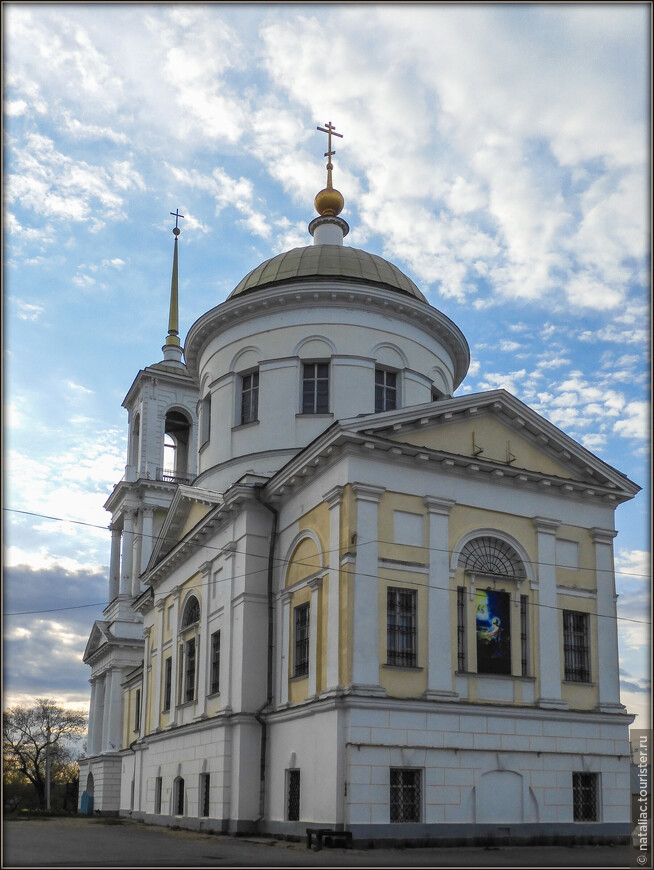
(494, 427)
(99, 637)
(485, 438)
(190, 505)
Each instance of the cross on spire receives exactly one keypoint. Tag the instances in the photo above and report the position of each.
(331, 131)
(177, 216)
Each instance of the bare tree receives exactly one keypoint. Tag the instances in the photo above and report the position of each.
(36, 738)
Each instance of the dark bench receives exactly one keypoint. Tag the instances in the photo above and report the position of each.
(330, 837)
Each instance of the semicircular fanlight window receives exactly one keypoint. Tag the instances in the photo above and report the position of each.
(487, 555)
(191, 612)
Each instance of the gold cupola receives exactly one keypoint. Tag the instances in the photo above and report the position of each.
(329, 202)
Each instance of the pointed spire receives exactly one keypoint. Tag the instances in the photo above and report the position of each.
(172, 350)
(329, 229)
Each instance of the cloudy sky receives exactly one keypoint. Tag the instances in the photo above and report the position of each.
(498, 154)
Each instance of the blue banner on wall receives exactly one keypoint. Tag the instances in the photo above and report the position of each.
(493, 632)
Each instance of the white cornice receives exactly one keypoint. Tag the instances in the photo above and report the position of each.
(337, 293)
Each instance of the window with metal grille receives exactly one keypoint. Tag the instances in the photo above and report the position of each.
(401, 627)
(205, 783)
(179, 796)
(460, 628)
(301, 637)
(406, 788)
(385, 390)
(215, 662)
(189, 670)
(576, 646)
(137, 711)
(524, 635)
(315, 388)
(585, 797)
(250, 398)
(293, 795)
(168, 683)
(158, 787)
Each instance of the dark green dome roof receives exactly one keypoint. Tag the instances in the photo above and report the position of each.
(324, 262)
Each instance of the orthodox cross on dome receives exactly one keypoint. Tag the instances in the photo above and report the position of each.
(331, 131)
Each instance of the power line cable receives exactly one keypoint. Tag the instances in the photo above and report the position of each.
(175, 541)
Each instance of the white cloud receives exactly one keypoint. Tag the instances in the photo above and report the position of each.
(637, 422)
(27, 310)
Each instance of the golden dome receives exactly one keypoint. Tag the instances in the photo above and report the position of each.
(329, 202)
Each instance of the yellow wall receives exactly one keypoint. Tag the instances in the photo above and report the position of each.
(196, 513)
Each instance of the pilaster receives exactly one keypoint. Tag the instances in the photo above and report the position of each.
(334, 499)
(285, 644)
(315, 586)
(607, 627)
(365, 646)
(439, 602)
(549, 639)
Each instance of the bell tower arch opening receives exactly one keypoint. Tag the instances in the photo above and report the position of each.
(177, 437)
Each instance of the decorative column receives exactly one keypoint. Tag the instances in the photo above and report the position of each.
(96, 740)
(285, 644)
(114, 737)
(227, 661)
(106, 712)
(136, 562)
(204, 643)
(160, 607)
(334, 499)
(315, 586)
(174, 676)
(365, 647)
(440, 602)
(128, 553)
(147, 527)
(114, 565)
(549, 636)
(607, 626)
(93, 710)
(146, 685)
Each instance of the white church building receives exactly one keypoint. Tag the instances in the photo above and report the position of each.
(341, 596)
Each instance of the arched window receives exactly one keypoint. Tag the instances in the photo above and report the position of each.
(191, 612)
(494, 570)
(177, 429)
(188, 651)
(178, 796)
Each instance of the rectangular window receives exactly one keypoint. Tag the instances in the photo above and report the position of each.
(585, 797)
(401, 627)
(576, 647)
(205, 419)
(301, 640)
(189, 671)
(158, 786)
(137, 711)
(293, 805)
(524, 635)
(385, 390)
(315, 388)
(493, 626)
(215, 662)
(460, 629)
(205, 783)
(168, 683)
(406, 788)
(250, 398)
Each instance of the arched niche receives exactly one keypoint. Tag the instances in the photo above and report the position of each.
(389, 355)
(315, 347)
(304, 557)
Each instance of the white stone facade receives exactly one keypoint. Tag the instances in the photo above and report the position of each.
(295, 630)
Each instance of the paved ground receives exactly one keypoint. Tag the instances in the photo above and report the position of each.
(79, 842)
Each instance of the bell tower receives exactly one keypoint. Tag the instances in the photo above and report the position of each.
(161, 454)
